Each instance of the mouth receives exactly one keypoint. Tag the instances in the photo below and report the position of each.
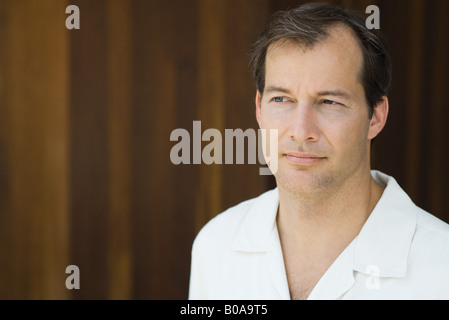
(303, 158)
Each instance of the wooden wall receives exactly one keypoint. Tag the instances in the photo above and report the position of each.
(85, 123)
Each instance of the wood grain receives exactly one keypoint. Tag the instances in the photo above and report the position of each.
(85, 123)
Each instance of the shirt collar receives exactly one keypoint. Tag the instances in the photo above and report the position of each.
(382, 245)
(255, 233)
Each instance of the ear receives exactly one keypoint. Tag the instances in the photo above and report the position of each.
(258, 98)
(380, 114)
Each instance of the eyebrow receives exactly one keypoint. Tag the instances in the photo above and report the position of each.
(333, 93)
(272, 89)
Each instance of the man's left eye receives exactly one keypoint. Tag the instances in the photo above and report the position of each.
(330, 102)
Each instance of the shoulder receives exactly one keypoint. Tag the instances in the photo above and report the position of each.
(217, 265)
(429, 252)
(429, 223)
(223, 226)
(222, 229)
(432, 234)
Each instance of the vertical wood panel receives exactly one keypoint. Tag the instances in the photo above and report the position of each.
(439, 113)
(242, 29)
(389, 147)
(89, 149)
(37, 149)
(414, 96)
(144, 22)
(119, 145)
(153, 119)
(7, 285)
(184, 178)
(211, 102)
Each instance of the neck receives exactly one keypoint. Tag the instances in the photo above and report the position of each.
(331, 217)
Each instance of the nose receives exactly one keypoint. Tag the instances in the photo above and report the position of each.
(303, 125)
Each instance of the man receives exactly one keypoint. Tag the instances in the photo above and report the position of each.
(332, 229)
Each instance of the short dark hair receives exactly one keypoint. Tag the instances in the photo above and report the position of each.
(309, 24)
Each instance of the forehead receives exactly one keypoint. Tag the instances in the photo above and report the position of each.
(337, 59)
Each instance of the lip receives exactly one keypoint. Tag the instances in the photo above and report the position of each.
(303, 158)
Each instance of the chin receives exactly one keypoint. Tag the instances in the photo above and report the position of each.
(303, 181)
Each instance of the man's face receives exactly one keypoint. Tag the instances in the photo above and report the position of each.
(316, 100)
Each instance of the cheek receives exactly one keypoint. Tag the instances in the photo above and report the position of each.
(348, 133)
(352, 138)
(271, 118)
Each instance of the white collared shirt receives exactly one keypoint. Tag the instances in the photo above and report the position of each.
(402, 252)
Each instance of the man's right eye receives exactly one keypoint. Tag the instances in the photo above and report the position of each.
(279, 99)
